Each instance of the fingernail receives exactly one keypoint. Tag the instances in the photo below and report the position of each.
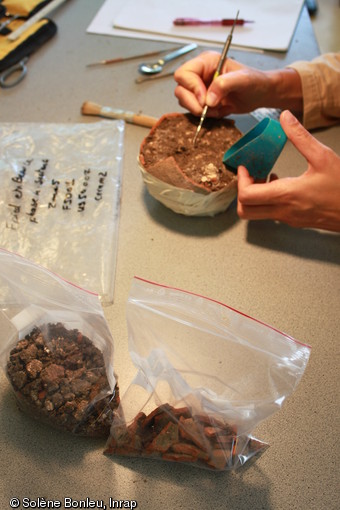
(289, 117)
(201, 99)
(211, 99)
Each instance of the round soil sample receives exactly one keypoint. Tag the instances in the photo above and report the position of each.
(59, 376)
(169, 154)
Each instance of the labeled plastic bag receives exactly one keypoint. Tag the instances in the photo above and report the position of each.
(56, 348)
(60, 198)
(207, 375)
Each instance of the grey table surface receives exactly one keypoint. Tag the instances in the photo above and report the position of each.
(282, 276)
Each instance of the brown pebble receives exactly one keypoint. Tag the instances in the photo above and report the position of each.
(34, 368)
(52, 373)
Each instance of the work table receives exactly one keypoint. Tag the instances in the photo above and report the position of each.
(285, 277)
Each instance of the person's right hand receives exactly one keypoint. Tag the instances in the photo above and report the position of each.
(238, 89)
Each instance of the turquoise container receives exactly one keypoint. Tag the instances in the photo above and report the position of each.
(258, 149)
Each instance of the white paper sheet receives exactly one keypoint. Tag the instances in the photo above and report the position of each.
(273, 27)
(103, 24)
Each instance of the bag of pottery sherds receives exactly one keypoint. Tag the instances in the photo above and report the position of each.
(206, 376)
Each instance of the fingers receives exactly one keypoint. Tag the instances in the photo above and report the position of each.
(194, 76)
(304, 142)
(249, 193)
(275, 200)
(259, 212)
(191, 89)
(188, 100)
(220, 88)
(243, 178)
(191, 94)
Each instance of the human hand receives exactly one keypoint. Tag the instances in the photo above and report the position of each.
(196, 86)
(238, 88)
(310, 200)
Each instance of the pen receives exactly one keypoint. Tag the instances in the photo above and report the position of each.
(217, 73)
(196, 22)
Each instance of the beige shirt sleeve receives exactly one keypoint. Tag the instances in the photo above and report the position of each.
(320, 80)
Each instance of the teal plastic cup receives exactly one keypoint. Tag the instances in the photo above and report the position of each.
(258, 149)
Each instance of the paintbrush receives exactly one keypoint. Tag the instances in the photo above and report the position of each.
(89, 108)
(125, 59)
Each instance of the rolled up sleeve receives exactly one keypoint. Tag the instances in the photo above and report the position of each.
(320, 79)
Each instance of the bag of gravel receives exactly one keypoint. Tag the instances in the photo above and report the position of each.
(56, 348)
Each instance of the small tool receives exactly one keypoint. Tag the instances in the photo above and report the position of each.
(157, 67)
(13, 75)
(133, 57)
(9, 20)
(217, 73)
(226, 22)
(36, 17)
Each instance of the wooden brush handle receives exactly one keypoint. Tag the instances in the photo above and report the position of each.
(89, 108)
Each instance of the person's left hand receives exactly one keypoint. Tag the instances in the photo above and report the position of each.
(310, 200)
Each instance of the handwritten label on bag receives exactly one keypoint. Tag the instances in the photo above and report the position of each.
(60, 196)
(25, 198)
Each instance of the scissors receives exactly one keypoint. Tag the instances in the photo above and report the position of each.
(14, 75)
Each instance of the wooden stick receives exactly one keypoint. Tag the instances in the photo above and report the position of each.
(89, 108)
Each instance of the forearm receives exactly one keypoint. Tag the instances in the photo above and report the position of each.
(284, 90)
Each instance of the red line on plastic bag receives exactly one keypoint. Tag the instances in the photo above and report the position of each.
(226, 306)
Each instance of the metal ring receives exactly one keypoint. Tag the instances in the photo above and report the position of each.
(7, 83)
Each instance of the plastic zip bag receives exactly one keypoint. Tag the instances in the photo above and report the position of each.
(60, 198)
(207, 375)
(56, 348)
